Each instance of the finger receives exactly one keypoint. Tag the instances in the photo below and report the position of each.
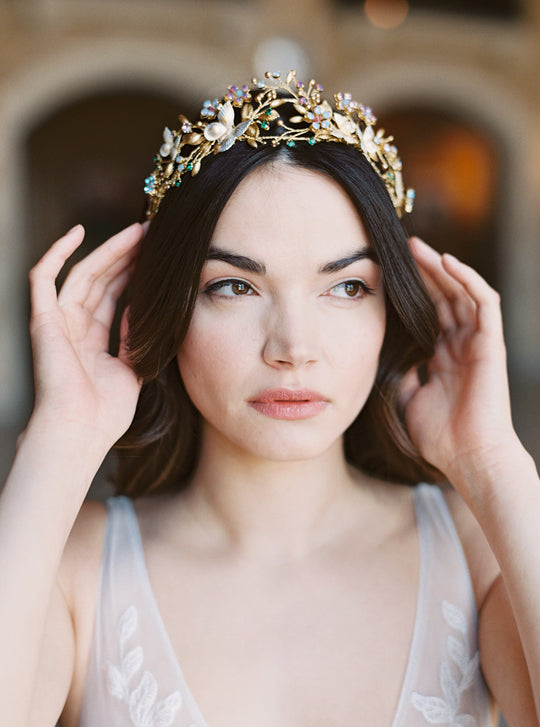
(445, 313)
(43, 294)
(410, 383)
(462, 305)
(487, 300)
(100, 286)
(83, 275)
(106, 309)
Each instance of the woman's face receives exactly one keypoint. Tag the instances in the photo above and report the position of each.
(284, 343)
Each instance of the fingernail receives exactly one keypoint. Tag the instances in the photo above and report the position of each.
(75, 227)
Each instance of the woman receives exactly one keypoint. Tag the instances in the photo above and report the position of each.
(277, 325)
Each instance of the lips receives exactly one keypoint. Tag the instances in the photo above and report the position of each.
(289, 403)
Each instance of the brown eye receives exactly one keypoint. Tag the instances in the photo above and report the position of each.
(239, 288)
(231, 288)
(352, 288)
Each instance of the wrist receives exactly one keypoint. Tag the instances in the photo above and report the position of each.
(493, 472)
(71, 440)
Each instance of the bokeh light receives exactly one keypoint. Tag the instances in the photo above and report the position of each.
(386, 14)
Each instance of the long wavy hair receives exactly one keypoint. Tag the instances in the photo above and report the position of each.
(160, 450)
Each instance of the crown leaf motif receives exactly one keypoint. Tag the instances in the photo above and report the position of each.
(255, 115)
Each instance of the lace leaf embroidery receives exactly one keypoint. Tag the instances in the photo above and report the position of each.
(453, 681)
(132, 662)
(144, 709)
(454, 617)
(127, 623)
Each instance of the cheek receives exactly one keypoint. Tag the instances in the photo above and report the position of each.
(211, 358)
(357, 341)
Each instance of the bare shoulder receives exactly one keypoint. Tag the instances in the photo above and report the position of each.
(483, 566)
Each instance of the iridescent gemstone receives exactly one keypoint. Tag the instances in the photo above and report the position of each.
(325, 124)
(291, 143)
(312, 141)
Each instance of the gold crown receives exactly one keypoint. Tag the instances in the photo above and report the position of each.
(253, 114)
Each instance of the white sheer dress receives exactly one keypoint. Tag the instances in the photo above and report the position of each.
(134, 679)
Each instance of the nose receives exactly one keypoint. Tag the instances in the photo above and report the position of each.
(292, 337)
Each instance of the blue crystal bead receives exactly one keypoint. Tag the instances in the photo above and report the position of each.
(149, 184)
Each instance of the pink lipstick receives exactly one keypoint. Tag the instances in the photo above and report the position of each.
(289, 403)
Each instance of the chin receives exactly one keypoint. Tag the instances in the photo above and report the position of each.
(289, 449)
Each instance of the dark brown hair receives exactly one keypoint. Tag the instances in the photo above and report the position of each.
(160, 450)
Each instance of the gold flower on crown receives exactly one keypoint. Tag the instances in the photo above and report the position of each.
(255, 115)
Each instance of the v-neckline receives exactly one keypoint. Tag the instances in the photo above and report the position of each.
(416, 631)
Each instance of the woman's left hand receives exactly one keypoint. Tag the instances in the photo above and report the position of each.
(460, 418)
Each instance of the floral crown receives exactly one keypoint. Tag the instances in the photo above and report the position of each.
(254, 114)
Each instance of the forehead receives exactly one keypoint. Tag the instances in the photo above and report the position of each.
(286, 212)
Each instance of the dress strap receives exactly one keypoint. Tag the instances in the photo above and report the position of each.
(133, 677)
(444, 684)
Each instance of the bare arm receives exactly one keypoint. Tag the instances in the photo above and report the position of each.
(85, 400)
(461, 422)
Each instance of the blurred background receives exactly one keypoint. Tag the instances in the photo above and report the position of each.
(86, 87)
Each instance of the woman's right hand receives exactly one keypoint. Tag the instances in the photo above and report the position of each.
(78, 383)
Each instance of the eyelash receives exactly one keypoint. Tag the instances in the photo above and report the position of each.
(216, 288)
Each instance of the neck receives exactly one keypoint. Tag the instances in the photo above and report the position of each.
(273, 511)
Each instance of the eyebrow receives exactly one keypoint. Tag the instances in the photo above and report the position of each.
(254, 266)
